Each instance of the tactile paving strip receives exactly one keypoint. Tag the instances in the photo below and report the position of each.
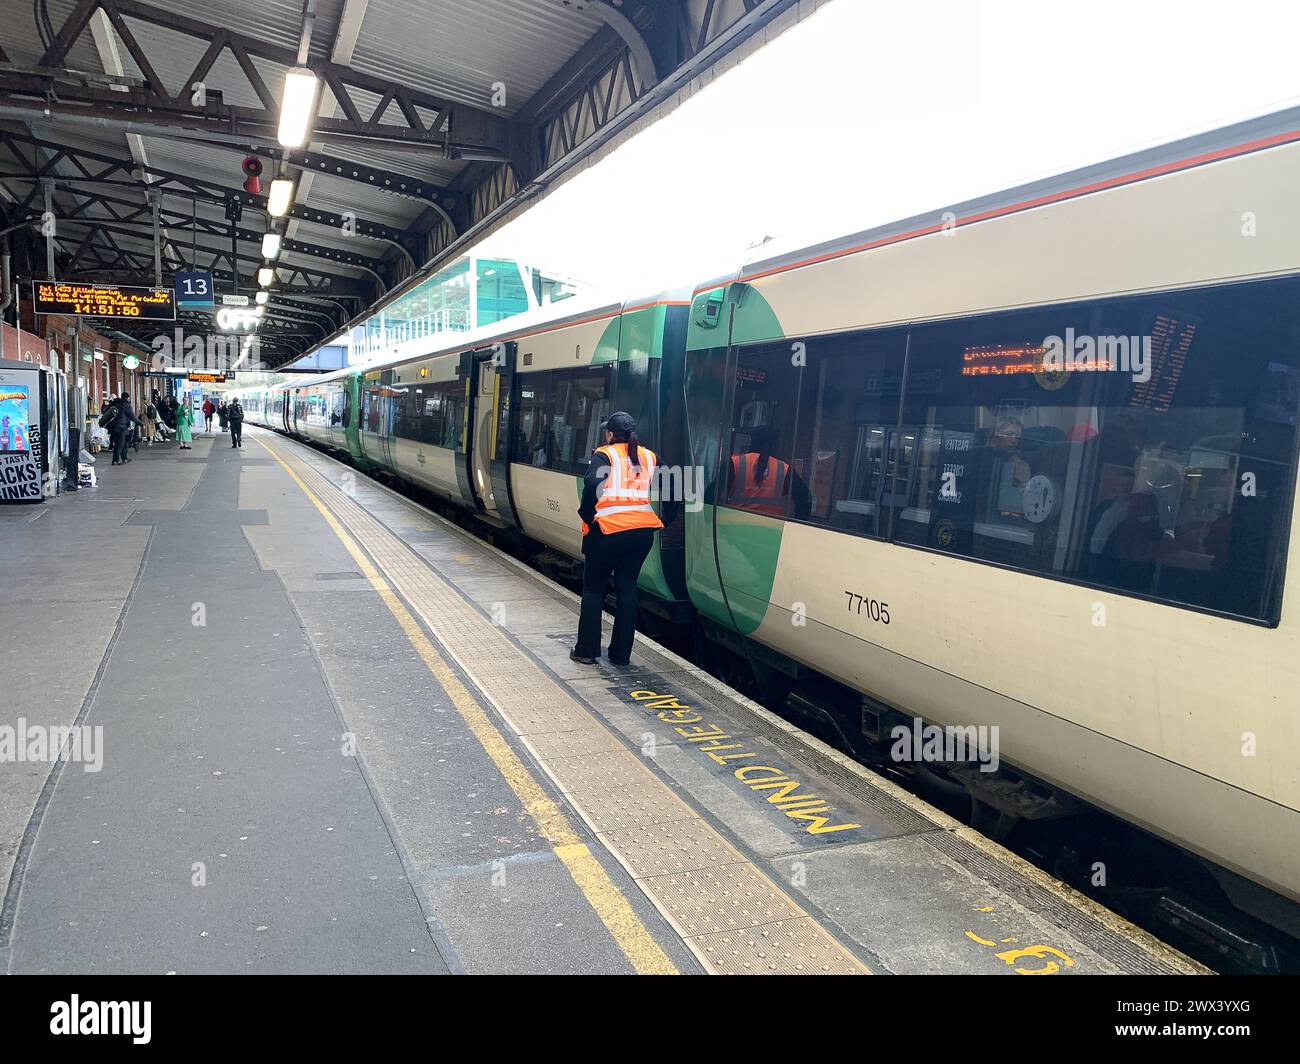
(670, 848)
(788, 947)
(581, 742)
(722, 898)
(612, 791)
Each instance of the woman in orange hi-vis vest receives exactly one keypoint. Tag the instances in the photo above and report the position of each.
(618, 530)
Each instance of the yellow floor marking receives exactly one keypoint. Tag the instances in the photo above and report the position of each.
(618, 916)
(732, 915)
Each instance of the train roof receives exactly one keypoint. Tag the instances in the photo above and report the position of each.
(1226, 142)
(571, 311)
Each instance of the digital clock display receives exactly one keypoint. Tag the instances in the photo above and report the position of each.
(103, 301)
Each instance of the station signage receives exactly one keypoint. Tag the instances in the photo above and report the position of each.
(210, 378)
(194, 288)
(104, 300)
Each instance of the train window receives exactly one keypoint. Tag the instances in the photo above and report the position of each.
(705, 392)
(370, 404)
(428, 412)
(762, 474)
(1140, 444)
(529, 445)
(851, 388)
(406, 403)
(560, 414)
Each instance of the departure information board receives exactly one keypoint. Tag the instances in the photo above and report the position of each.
(103, 300)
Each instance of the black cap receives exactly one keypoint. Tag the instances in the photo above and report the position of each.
(620, 424)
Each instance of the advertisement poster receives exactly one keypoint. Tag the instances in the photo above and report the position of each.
(14, 405)
(20, 466)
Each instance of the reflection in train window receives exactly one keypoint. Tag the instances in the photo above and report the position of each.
(758, 472)
(847, 438)
(560, 414)
(1153, 456)
(429, 412)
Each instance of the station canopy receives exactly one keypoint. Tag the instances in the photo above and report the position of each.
(434, 119)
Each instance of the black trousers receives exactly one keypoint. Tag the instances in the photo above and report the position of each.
(621, 555)
(236, 434)
(120, 442)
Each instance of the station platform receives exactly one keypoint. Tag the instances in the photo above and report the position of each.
(340, 734)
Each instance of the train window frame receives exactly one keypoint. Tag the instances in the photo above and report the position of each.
(549, 382)
(738, 421)
(1271, 597)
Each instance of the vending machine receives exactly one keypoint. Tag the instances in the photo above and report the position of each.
(33, 431)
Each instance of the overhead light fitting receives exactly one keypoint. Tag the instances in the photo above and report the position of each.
(265, 276)
(297, 106)
(262, 296)
(280, 197)
(270, 245)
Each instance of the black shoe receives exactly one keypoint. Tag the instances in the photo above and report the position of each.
(621, 664)
(124, 460)
(581, 659)
(116, 462)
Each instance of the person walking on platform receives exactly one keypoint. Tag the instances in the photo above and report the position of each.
(208, 409)
(121, 427)
(223, 412)
(184, 422)
(235, 413)
(618, 530)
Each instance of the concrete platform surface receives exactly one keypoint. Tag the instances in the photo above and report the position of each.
(340, 734)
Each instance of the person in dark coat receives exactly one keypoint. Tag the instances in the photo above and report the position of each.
(122, 427)
(235, 414)
(618, 533)
(167, 411)
(223, 413)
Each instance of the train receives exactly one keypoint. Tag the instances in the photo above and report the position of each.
(1035, 461)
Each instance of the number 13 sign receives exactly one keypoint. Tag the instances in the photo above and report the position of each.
(193, 288)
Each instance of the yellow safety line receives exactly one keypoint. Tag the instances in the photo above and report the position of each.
(619, 918)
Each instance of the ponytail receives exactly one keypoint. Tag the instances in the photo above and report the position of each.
(622, 427)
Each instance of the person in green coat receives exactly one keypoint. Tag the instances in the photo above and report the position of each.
(184, 420)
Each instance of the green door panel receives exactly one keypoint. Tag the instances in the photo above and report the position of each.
(752, 318)
(748, 548)
(702, 567)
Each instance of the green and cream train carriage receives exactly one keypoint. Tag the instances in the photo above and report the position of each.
(501, 421)
(1036, 457)
(1092, 560)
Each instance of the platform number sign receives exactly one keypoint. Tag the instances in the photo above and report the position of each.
(194, 288)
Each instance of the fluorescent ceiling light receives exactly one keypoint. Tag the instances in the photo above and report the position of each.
(297, 107)
(280, 197)
(265, 276)
(270, 245)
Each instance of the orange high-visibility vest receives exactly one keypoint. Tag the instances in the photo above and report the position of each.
(761, 496)
(623, 500)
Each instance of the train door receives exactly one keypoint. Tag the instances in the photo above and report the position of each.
(483, 446)
(505, 433)
(485, 434)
